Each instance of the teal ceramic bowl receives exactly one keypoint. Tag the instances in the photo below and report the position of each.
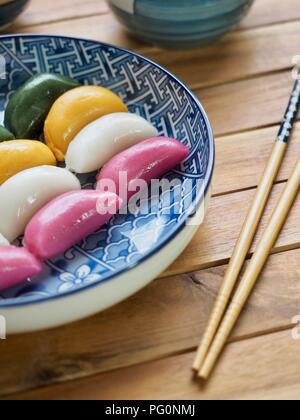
(180, 23)
(10, 10)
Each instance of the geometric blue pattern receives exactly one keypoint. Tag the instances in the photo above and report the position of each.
(149, 91)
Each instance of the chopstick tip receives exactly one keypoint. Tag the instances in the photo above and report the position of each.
(203, 374)
(195, 367)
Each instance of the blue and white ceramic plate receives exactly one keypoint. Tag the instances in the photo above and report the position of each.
(131, 250)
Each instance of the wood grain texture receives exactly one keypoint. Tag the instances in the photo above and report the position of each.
(264, 12)
(239, 55)
(247, 104)
(268, 12)
(166, 318)
(244, 82)
(103, 28)
(44, 11)
(215, 240)
(242, 157)
(172, 321)
(261, 368)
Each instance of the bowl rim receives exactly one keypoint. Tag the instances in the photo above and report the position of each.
(9, 303)
(10, 2)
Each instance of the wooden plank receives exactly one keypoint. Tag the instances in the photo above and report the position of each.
(44, 11)
(103, 28)
(177, 333)
(248, 104)
(262, 368)
(268, 12)
(213, 244)
(166, 318)
(241, 159)
(264, 12)
(239, 55)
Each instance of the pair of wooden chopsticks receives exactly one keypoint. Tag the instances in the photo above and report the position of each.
(220, 326)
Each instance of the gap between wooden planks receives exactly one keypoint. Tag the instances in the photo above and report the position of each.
(264, 12)
(246, 105)
(163, 319)
(214, 242)
(241, 158)
(175, 327)
(272, 110)
(70, 368)
(262, 368)
(44, 11)
(239, 55)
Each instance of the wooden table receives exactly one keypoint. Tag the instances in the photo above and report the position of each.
(144, 347)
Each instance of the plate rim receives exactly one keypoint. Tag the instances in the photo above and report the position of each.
(7, 303)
